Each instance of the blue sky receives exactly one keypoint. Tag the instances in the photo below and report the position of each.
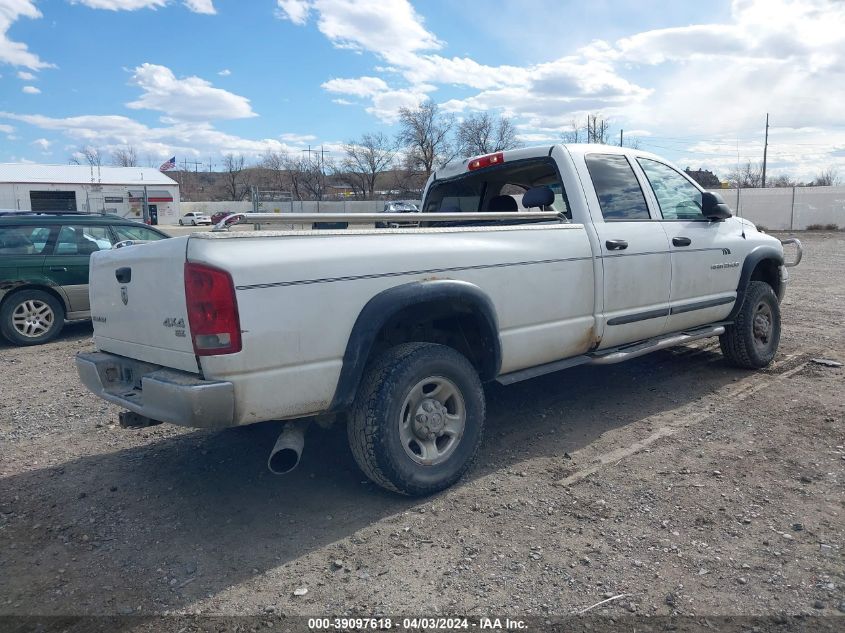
(199, 78)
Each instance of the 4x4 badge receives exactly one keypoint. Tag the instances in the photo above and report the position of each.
(124, 294)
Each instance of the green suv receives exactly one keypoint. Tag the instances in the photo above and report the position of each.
(44, 268)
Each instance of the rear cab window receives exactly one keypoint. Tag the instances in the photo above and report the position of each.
(617, 188)
(26, 239)
(497, 189)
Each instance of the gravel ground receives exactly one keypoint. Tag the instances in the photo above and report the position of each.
(675, 481)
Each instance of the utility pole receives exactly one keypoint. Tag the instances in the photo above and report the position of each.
(620, 137)
(765, 151)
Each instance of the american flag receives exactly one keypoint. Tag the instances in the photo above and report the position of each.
(168, 165)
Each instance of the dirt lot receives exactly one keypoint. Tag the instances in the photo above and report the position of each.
(688, 486)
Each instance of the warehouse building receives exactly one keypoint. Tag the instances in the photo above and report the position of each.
(123, 191)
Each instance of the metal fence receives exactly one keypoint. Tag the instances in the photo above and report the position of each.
(786, 209)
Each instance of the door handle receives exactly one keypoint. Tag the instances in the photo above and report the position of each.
(681, 241)
(58, 269)
(616, 245)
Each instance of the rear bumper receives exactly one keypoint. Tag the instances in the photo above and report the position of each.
(158, 393)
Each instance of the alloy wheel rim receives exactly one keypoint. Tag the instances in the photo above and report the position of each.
(33, 318)
(432, 420)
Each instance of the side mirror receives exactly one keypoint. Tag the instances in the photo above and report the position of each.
(713, 207)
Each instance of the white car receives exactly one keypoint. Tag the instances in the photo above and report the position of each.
(525, 262)
(194, 217)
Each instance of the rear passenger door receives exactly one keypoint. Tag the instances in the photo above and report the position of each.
(634, 253)
(705, 272)
(22, 249)
(67, 265)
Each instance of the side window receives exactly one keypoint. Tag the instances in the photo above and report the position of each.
(617, 188)
(677, 197)
(140, 233)
(24, 240)
(82, 240)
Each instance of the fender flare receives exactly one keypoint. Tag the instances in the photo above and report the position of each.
(757, 255)
(383, 306)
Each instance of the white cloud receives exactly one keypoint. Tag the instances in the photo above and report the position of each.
(121, 5)
(43, 143)
(31, 90)
(197, 6)
(5, 128)
(201, 6)
(225, 72)
(360, 87)
(297, 138)
(390, 29)
(108, 132)
(294, 10)
(187, 98)
(17, 53)
(26, 76)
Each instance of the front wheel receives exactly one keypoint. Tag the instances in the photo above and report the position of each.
(752, 340)
(193, 222)
(31, 317)
(181, 223)
(417, 421)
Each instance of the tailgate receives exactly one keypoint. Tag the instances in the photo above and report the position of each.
(138, 303)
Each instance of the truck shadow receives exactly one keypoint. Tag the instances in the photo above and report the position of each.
(73, 331)
(162, 525)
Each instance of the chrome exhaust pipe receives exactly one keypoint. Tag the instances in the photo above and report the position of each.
(288, 448)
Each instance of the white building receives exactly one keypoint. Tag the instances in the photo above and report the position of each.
(115, 190)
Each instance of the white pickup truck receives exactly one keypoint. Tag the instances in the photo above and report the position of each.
(529, 261)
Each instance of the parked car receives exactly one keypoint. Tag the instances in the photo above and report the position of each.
(616, 253)
(397, 207)
(217, 217)
(194, 217)
(44, 259)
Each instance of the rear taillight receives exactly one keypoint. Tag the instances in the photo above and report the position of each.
(212, 310)
(486, 161)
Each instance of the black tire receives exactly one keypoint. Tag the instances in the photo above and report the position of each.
(376, 421)
(181, 223)
(752, 340)
(37, 305)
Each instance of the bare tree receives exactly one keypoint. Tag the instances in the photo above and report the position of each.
(314, 179)
(782, 180)
(574, 134)
(425, 132)
(125, 157)
(484, 134)
(87, 155)
(277, 164)
(827, 178)
(366, 158)
(746, 176)
(236, 178)
(596, 129)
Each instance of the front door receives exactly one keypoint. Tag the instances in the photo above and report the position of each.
(705, 271)
(67, 265)
(634, 253)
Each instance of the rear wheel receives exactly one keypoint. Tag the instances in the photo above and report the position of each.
(417, 421)
(31, 317)
(753, 338)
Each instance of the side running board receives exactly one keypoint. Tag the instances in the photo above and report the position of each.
(608, 357)
(616, 355)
